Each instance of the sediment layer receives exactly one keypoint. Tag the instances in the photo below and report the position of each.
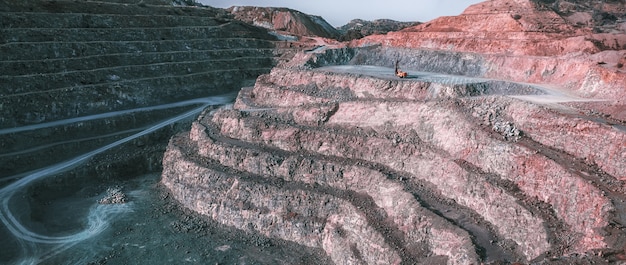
(454, 169)
(61, 60)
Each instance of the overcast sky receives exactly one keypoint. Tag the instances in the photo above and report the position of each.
(339, 12)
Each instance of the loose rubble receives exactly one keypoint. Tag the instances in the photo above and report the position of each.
(114, 195)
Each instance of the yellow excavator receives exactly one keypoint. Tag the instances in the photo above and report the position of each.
(400, 73)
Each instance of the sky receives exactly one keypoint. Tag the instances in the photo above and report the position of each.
(340, 12)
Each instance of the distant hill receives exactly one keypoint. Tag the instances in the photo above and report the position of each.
(602, 16)
(156, 2)
(358, 28)
(285, 20)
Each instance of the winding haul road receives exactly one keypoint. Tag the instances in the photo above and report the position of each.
(525, 91)
(38, 246)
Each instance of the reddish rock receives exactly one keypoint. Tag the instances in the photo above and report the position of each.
(506, 136)
(528, 41)
(285, 20)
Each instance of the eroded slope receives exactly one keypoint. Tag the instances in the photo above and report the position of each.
(505, 143)
(438, 169)
(74, 60)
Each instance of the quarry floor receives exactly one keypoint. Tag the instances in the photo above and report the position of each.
(549, 94)
(155, 230)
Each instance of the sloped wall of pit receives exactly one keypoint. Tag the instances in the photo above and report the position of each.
(129, 61)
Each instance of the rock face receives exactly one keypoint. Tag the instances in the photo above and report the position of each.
(61, 60)
(424, 161)
(602, 16)
(505, 143)
(286, 21)
(524, 40)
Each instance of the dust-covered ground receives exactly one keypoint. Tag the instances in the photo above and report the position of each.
(154, 230)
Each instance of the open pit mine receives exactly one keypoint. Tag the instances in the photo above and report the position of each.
(153, 132)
